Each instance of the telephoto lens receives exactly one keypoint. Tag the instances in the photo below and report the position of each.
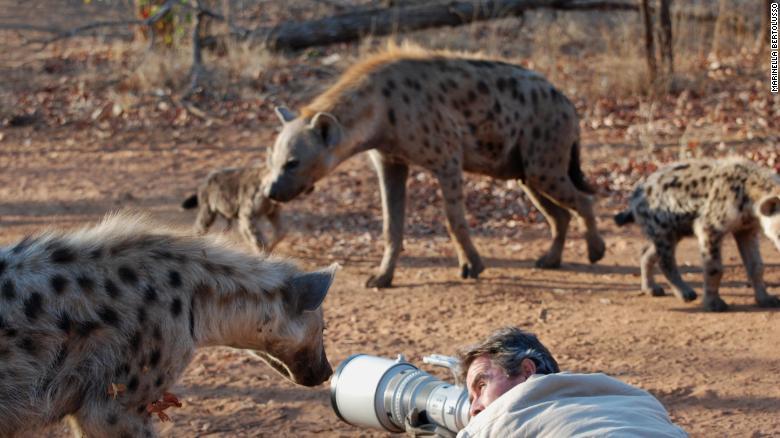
(379, 393)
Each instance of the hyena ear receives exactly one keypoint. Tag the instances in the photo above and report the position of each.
(329, 128)
(285, 114)
(769, 206)
(308, 290)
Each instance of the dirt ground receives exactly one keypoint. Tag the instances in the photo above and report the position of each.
(717, 374)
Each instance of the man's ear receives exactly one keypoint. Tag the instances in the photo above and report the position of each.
(328, 127)
(769, 206)
(285, 114)
(307, 291)
(527, 368)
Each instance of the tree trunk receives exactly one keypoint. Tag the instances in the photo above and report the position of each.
(647, 21)
(665, 36)
(763, 39)
(719, 24)
(197, 70)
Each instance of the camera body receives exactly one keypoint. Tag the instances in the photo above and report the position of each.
(379, 393)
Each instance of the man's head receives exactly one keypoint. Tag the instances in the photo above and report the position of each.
(506, 358)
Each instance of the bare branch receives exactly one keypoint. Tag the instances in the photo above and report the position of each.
(31, 27)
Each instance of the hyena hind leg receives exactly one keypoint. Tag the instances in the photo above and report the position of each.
(558, 219)
(665, 248)
(564, 193)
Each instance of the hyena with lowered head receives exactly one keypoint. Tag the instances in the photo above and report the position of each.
(237, 193)
(708, 199)
(124, 305)
(447, 113)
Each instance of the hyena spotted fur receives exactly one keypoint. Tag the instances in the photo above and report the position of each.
(124, 305)
(447, 113)
(237, 193)
(708, 199)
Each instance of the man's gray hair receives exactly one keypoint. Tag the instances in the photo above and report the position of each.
(507, 347)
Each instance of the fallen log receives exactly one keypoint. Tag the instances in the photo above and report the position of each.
(352, 26)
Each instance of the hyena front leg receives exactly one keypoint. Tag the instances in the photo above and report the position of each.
(205, 218)
(665, 247)
(748, 245)
(451, 184)
(392, 185)
(710, 244)
(228, 224)
(279, 229)
(111, 421)
(249, 227)
(647, 264)
(558, 219)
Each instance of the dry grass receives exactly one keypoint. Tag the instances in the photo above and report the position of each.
(612, 45)
(589, 55)
(160, 69)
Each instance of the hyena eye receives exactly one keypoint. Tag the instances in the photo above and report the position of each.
(292, 164)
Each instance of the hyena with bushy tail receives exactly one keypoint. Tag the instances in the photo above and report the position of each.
(447, 113)
(708, 199)
(98, 323)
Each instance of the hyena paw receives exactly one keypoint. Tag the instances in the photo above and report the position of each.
(715, 304)
(548, 261)
(596, 250)
(769, 301)
(379, 281)
(471, 270)
(689, 295)
(655, 291)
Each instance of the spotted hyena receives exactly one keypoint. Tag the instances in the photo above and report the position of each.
(97, 324)
(446, 113)
(236, 193)
(708, 199)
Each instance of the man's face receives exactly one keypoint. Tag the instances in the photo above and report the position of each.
(487, 381)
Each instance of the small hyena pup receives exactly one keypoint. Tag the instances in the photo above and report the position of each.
(97, 324)
(236, 193)
(708, 199)
(447, 113)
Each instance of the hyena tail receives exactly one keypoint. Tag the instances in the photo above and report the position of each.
(190, 202)
(575, 171)
(624, 217)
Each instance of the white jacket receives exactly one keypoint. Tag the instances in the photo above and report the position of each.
(573, 405)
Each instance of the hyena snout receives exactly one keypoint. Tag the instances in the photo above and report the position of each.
(279, 192)
(287, 187)
(303, 360)
(312, 369)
